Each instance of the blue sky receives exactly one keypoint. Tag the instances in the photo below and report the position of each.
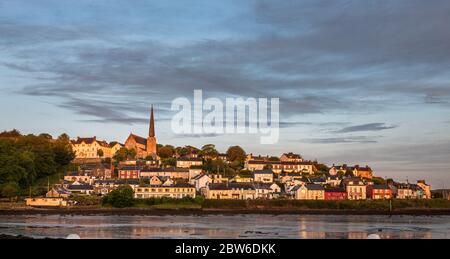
(359, 82)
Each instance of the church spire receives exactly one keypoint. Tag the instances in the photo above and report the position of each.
(151, 131)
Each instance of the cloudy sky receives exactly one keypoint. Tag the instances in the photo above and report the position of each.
(359, 82)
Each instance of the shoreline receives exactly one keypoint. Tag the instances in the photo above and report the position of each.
(202, 212)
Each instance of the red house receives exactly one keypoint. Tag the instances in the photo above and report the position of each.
(379, 192)
(129, 172)
(335, 194)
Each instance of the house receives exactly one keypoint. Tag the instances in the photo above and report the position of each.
(363, 172)
(167, 181)
(291, 157)
(155, 181)
(172, 172)
(46, 202)
(267, 190)
(251, 157)
(129, 172)
(218, 178)
(79, 177)
(318, 180)
(426, 189)
(333, 180)
(405, 191)
(289, 177)
(237, 191)
(356, 188)
(335, 194)
(103, 187)
(105, 171)
(279, 166)
(379, 192)
(201, 181)
(223, 157)
(333, 171)
(263, 176)
(80, 188)
(241, 179)
(58, 192)
(309, 192)
(189, 162)
(177, 191)
(91, 148)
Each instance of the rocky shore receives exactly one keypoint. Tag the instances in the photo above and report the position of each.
(224, 211)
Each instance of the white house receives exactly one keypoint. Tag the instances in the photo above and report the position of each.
(201, 181)
(266, 190)
(309, 192)
(263, 176)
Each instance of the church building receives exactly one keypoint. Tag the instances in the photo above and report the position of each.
(144, 146)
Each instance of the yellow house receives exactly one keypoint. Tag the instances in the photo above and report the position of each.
(241, 179)
(280, 166)
(46, 202)
(227, 191)
(176, 191)
(363, 172)
(426, 189)
(188, 162)
(356, 189)
(90, 147)
(309, 192)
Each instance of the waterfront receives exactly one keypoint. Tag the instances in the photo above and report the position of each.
(227, 226)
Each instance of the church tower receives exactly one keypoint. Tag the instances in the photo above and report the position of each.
(151, 140)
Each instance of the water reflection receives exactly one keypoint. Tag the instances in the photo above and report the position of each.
(221, 226)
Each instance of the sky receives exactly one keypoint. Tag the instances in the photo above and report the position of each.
(359, 82)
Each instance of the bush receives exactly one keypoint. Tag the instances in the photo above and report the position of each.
(84, 200)
(121, 197)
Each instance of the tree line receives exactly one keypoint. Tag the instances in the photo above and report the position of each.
(26, 160)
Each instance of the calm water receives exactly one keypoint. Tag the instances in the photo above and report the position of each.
(221, 226)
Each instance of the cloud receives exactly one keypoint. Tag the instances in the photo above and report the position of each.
(317, 58)
(366, 127)
(340, 140)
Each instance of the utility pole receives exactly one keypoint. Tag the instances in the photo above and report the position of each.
(48, 183)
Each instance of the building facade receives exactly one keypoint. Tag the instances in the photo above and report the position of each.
(177, 191)
(144, 147)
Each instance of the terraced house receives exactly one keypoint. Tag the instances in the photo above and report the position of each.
(227, 191)
(89, 148)
(177, 191)
(279, 166)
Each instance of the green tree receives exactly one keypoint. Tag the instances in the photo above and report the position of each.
(181, 151)
(121, 197)
(166, 151)
(63, 150)
(45, 135)
(123, 154)
(322, 168)
(236, 153)
(210, 151)
(10, 134)
(169, 162)
(349, 173)
(100, 153)
(131, 153)
(10, 190)
(274, 159)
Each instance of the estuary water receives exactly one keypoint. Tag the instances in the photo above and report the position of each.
(227, 226)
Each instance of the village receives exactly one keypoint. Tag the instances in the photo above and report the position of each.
(157, 171)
